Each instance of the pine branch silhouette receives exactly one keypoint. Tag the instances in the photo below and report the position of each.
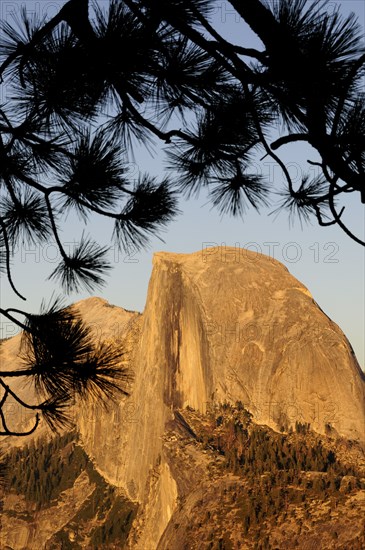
(84, 87)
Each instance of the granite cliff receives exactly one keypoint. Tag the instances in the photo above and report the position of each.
(220, 325)
(225, 324)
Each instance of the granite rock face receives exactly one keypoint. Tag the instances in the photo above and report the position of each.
(233, 324)
(222, 324)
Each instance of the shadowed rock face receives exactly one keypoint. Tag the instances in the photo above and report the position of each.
(223, 324)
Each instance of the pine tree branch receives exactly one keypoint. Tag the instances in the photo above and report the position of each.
(23, 49)
(6, 314)
(264, 25)
(16, 373)
(9, 391)
(336, 216)
(198, 39)
(264, 142)
(7, 431)
(333, 160)
(7, 253)
(228, 48)
(58, 189)
(320, 219)
(349, 79)
(288, 139)
(278, 41)
(54, 228)
(163, 136)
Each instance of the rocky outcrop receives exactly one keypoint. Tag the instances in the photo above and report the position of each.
(223, 324)
(21, 534)
(107, 322)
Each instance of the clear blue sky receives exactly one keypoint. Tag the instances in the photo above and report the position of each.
(324, 259)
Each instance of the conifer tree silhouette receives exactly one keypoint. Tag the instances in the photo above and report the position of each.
(166, 74)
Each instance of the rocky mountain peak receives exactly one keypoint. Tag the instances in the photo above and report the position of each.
(221, 325)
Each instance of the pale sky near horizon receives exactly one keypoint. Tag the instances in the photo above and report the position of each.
(325, 260)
